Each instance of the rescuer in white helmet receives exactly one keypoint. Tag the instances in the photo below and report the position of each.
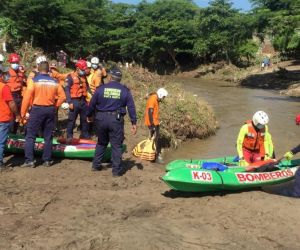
(254, 142)
(152, 118)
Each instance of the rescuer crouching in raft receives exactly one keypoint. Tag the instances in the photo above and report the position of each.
(254, 142)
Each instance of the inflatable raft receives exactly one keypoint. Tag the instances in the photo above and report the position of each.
(202, 176)
(193, 163)
(77, 149)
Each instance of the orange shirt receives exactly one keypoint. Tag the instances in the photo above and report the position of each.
(5, 97)
(152, 102)
(58, 76)
(44, 91)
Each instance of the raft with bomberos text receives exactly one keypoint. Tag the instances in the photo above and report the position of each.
(77, 149)
(202, 176)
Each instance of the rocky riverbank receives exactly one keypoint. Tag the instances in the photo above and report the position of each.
(283, 76)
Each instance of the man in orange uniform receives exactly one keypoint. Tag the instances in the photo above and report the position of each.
(8, 108)
(46, 95)
(97, 75)
(54, 73)
(15, 84)
(152, 118)
(76, 91)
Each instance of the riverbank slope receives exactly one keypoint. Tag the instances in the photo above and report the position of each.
(283, 76)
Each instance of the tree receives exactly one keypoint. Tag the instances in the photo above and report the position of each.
(279, 19)
(221, 30)
(165, 28)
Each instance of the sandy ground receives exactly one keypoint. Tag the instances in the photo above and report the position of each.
(69, 207)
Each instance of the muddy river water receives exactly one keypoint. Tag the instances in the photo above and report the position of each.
(233, 106)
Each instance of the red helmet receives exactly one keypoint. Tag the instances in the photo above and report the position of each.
(297, 120)
(13, 58)
(81, 64)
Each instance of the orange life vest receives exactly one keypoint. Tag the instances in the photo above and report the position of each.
(15, 81)
(79, 86)
(254, 140)
(5, 114)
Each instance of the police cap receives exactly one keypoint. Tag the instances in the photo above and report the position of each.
(115, 72)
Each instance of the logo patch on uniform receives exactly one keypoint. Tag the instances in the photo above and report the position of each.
(112, 93)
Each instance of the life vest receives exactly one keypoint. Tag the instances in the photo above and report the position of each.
(5, 114)
(254, 140)
(79, 86)
(15, 81)
(94, 79)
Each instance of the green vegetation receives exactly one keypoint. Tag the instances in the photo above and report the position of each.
(183, 116)
(280, 19)
(161, 35)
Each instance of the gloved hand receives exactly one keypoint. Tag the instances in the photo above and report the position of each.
(242, 162)
(65, 106)
(289, 155)
(267, 157)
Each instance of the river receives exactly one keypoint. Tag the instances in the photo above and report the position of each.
(233, 106)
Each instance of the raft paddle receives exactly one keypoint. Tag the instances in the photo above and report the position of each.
(263, 166)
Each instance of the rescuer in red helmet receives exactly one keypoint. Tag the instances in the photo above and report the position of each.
(76, 92)
(15, 83)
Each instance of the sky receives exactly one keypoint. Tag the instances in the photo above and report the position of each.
(243, 5)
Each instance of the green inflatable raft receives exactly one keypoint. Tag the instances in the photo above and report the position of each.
(223, 174)
(77, 149)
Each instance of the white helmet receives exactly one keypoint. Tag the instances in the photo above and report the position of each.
(162, 93)
(260, 117)
(1, 58)
(40, 59)
(95, 60)
(89, 64)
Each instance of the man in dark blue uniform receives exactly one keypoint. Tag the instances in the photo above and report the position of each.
(109, 104)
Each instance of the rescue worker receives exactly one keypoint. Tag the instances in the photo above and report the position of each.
(295, 192)
(77, 89)
(8, 107)
(15, 83)
(35, 71)
(46, 95)
(96, 75)
(152, 118)
(89, 75)
(60, 78)
(54, 73)
(254, 142)
(109, 104)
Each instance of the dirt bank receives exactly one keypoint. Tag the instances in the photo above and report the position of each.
(284, 76)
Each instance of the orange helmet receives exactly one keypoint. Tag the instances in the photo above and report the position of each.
(13, 58)
(81, 64)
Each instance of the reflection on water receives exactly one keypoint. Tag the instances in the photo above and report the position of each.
(233, 106)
